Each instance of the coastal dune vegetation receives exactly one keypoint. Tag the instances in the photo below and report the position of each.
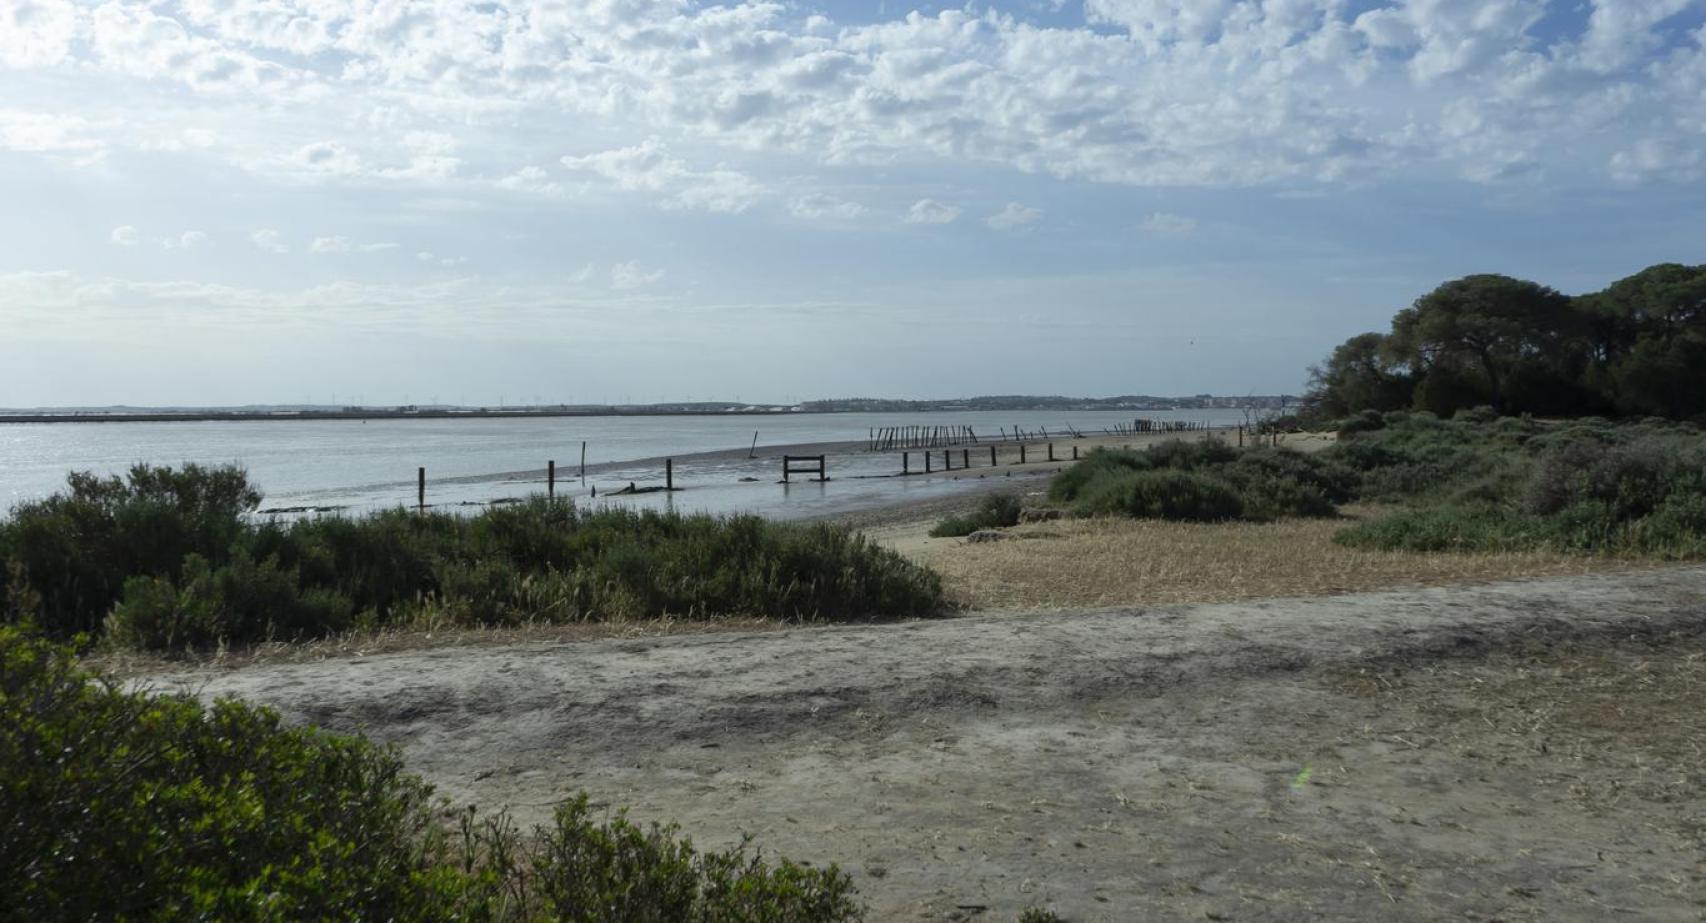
(1476, 482)
(173, 558)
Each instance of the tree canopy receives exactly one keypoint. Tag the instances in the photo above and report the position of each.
(1636, 348)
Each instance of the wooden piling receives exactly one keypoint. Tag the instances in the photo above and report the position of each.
(420, 489)
(550, 479)
(1051, 451)
(669, 474)
(583, 459)
(1021, 453)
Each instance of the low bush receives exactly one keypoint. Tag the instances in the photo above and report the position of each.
(1218, 482)
(173, 559)
(996, 511)
(119, 804)
(1480, 484)
(1163, 494)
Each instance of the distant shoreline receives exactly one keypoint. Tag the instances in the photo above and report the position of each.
(1017, 405)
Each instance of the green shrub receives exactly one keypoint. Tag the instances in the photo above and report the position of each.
(1266, 483)
(997, 511)
(211, 574)
(242, 601)
(76, 550)
(617, 872)
(1165, 494)
(119, 804)
(1443, 528)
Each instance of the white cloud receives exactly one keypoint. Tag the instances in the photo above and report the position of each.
(333, 244)
(819, 206)
(930, 211)
(1012, 216)
(648, 167)
(270, 240)
(54, 134)
(1160, 93)
(632, 275)
(36, 33)
(124, 236)
(188, 240)
(1166, 224)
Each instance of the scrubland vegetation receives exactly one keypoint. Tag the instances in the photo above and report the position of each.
(171, 558)
(995, 511)
(1476, 482)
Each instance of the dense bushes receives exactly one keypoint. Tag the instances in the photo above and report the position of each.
(1204, 481)
(171, 558)
(1509, 484)
(124, 805)
(995, 512)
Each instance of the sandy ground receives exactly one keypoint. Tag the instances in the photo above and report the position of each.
(1529, 750)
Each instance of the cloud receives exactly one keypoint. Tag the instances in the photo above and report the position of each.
(1166, 224)
(1012, 216)
(632, 275)
(270, 240)
(1215, 93)
(930, 211)
(124, 236)
(819, 206)
(188, 240)
(334, 244)
(36, 33)
(648, 167)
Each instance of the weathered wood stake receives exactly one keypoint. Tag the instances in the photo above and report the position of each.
(550, 479)
(420, 491)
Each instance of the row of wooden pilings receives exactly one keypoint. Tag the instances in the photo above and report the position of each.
(888, 438)
(947, 456)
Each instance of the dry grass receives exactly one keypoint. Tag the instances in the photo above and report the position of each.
(1599, 724)
(1119, 562)
(129, 663)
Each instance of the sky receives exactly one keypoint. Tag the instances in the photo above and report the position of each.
(409, 201)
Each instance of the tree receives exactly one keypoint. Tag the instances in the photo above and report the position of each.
(1485, 326)
(1361, 374)
(1650, 340)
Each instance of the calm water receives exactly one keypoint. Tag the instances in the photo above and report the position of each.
(356, 465)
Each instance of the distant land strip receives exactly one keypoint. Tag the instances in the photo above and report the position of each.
(119, 414)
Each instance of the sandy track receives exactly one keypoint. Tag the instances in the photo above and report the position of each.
(1210, 762)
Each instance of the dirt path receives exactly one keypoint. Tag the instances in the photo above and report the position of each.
(1487, 752)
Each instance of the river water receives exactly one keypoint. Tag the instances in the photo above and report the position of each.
(353, 465)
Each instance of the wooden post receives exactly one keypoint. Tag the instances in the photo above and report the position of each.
(420, 492)
(669, 474)
(750, 452)
(965, 458)
(550, 479)
(992, 456)
(926, 462)
(947, 460)
(906, 463)
(1021, 453)
(1051, 451)
(583, 459)
(1074, 453)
